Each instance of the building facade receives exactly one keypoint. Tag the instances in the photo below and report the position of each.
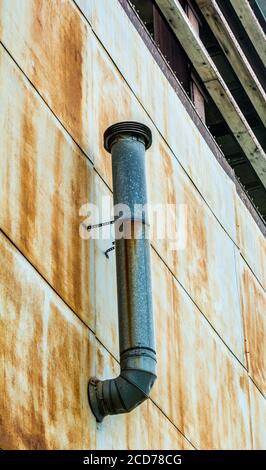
(68, 70)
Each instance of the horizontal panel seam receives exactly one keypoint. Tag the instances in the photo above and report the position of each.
(87, 326)
(250, 268)
(109, 188)
(200, 311)
(82, 321)
(163, 138)
(98, 340)
(46, 104)
(83, 151)
(47, 283)
(157, 406)
(175, 426)
(91, 161)
(257, 387)
(76, 316)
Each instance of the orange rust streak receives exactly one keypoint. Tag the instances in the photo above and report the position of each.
(28, 178)
(57, 37)
(253, 300)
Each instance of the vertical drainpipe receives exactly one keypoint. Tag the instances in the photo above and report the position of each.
(127, 142)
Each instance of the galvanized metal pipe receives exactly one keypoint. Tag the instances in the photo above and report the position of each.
(127, 142)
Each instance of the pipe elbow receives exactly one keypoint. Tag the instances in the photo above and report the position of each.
(125, 392)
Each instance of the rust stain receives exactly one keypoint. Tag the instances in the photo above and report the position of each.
(169, 174)
(71, 52)
(58, 71)
(204, 420)
(199, 387)
(57, 220)
(77, 266)
(253, 251)
(257, 417)
(106, 111)
(57, 38)
(70, 254)
(242, 383)
(50, 186)
(78, 254)
(22, 424)
(171, 193)
(112, 104)
(238, 221)
(114, 335)
(128, 432)
(100, 362)
(28, 178)
(262, 247)
(204, 400)
(253, 301)
(169, 391)
(175, 329)
(65, 366)
(46, 363)
(6, 214)
(30, 440)
(197, 245)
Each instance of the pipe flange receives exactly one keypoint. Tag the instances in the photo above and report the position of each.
(93, 399)
(135, 129)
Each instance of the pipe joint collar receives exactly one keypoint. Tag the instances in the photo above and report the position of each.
(127, 128)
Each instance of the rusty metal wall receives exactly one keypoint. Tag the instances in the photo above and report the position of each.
(67, 71)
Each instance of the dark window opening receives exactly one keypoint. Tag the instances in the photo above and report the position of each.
(181, 66)
(171, 48)
(198, 96)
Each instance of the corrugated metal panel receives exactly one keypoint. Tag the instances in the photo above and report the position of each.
(200, 385)
(253, 301)
(53, 51)
(44, 180)
(46, 355)
(160, 101)
(205, 266)
(44, 388)
(115, 30)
